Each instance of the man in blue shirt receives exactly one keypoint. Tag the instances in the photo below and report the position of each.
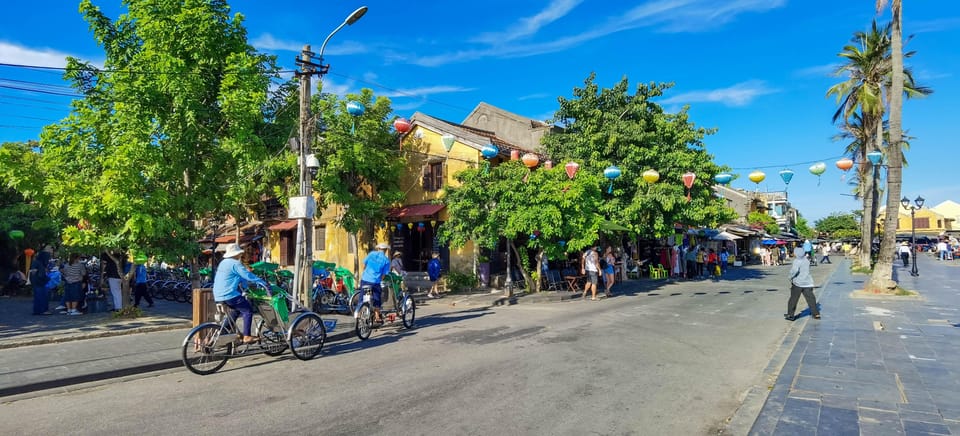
(231, 273)
(375, 266)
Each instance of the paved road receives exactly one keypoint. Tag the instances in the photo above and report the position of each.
(661, 359)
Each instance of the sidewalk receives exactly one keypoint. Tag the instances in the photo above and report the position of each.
(873, 366)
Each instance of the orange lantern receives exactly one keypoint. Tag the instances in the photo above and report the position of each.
(29, 252)
(844, 164)
(530, 160)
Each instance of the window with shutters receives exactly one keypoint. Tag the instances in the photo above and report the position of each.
(320, 238)
(288, 247)
(433, 176)
(921, 223)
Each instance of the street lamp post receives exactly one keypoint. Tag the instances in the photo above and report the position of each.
(307, 161)
(905, 202)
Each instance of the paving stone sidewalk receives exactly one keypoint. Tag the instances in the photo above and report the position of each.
(873, 366)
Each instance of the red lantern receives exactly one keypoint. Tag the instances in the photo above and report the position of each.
(401, 125)
(514, 154)
(688, 178)
(572, 168)
(29, 252)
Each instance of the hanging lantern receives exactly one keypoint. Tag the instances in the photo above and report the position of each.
(844, 164)
(722, 179)
(421, 227)
(410, 226)
(28, 251)
(514, 154)
(532, 236)
(787, 176)
(875, 157)
(489, 151)
(571, 168)
(537, 233)
(447, 141)
(401, 125)
(530, 160)
(548, 164)
(688, 178)
(433, 223)
(399, 227)
(140, 258)
(651, 176)
(561, 243)
(355, 109)
(818, 169)
(757, 176)
(612, 172)
(15, 234)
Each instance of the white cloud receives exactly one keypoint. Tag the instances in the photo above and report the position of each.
(530, 25)
(826, 70)
(45, 57)
(267, 42)
(424, 91)
(660, 15)
(937, 25)
(737, 95)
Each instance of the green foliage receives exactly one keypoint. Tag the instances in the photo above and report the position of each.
(40, 225)
(603, 127)
(458, 281)
(803, 228)
(839, 225)
(165, 134)
(498, 202)
(359, 165)
(767, 222)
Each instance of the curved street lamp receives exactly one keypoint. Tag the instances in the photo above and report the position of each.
(905, 202)
(308, 162)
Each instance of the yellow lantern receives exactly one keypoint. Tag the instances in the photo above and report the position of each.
(651, 176)
(757, 176)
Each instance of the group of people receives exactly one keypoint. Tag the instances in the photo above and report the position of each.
(594, 266)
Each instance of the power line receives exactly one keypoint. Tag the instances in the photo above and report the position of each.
(40, 91)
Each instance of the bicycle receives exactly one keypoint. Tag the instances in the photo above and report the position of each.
(208, 346)
(404, 306)
(333, 292)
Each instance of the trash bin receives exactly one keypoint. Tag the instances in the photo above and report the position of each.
(204, 308)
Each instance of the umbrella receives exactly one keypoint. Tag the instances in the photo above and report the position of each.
(724, 236)
(612, 226)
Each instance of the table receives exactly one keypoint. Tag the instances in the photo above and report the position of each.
(572, 282)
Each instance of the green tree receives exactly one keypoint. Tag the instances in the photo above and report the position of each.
(359, 165)
(166, 132)
(764, 221)
(603, 127)
(513, 202)
(803, 228)
(839, 225)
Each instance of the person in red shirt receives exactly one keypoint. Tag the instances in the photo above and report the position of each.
(712, 264)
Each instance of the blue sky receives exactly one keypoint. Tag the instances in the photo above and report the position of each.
(757, 70)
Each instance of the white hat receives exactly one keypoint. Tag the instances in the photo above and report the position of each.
(232, 251)
(383, 246)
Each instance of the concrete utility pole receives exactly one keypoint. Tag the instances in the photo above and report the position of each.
(303, 263)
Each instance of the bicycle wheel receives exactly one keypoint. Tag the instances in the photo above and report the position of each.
(324, 301)
(354, 302)
(182, 292)
(204, 350)
(272, 342)
(408, 311)
(307, 336)
(364, 321)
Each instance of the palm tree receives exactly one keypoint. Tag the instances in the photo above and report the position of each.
(861, 96)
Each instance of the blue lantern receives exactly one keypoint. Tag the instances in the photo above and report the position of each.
(787, 176)
(489, 151)
(532, 236)
(561, 243)
(875, 157)
(355, 109)
(399, 227)
(722, 179)
(612, 172)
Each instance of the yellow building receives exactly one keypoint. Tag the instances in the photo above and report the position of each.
(434, 150)
(926, 222)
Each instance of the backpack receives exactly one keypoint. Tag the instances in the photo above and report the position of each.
(603, 262)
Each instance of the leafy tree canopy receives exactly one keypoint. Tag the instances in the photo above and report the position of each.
(166, 132)
(603, 127)
(765, 221)
(839, 225)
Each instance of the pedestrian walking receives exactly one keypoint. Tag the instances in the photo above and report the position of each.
(608, 270)
(112, 272)
(801, 282)
(904, 251)
(140, 286)
(825, 251)
(38, 280)
(73, 272)
(591, 268)
(433, 271)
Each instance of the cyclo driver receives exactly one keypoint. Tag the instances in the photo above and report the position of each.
(375, 266)
(230, 275)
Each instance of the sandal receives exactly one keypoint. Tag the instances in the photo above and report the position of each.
(817, 316)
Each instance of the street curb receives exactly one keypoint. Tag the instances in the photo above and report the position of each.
(92, 335)
(130, 373)
(756, 397)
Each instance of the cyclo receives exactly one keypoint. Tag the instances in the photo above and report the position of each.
(403, 307)
(208, 346)
(334, 289)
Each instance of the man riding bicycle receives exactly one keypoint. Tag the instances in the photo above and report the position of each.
(231, 273)
(375, 266)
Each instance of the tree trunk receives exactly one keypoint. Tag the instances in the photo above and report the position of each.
(523, 271)
(539, 270)
(881, 281)
(124, 279)
(866, 222)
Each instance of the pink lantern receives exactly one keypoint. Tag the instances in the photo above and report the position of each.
(530, 160)
(572, 168)
(514, 154)
(548, 164)
(688, 178)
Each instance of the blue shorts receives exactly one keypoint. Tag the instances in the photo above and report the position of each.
(608, 269)
(375, 291)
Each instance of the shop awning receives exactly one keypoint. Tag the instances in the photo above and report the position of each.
(284, 226)
(415, 211)
(725, 236)
(612, 226)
